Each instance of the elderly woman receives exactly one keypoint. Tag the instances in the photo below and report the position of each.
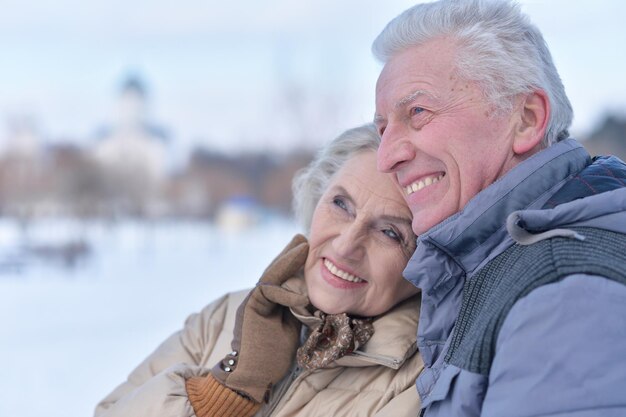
(329, 330)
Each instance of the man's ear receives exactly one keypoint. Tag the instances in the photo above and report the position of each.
(532, 122)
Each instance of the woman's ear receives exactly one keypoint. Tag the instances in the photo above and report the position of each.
(532, 123)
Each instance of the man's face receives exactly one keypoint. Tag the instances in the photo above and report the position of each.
(440, 136)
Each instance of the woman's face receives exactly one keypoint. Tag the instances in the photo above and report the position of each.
(360, 242)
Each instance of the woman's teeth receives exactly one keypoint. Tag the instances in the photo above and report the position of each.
(418, 185)
(339, 273)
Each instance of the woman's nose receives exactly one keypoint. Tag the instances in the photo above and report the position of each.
(349, 242)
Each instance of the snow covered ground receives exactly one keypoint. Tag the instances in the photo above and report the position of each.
(70, 335)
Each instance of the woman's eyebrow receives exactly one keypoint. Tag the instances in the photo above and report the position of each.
(397, 219)
(344, 193)
(387, 217)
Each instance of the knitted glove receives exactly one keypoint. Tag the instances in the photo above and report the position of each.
(266, 334)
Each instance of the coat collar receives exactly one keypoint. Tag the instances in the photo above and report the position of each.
(394, 338)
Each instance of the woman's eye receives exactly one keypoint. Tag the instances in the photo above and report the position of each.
(392, 234)
(339, 202)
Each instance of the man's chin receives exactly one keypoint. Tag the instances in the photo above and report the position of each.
(423, 221)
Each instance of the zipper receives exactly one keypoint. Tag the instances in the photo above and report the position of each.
(297, 374)
(284, 386)
(379, 359)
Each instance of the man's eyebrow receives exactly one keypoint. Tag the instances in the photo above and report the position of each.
(409, 98)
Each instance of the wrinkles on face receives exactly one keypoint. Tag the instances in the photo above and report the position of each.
(455, 144)
(361, 227)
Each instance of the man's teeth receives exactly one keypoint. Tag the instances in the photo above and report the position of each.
(418, 185)
(339, 273)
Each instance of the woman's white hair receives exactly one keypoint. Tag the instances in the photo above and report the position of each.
(311, 182)
(498, 47)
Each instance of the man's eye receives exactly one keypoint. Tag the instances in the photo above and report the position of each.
(416, 110)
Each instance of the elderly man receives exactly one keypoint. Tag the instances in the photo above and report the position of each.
(521, 255)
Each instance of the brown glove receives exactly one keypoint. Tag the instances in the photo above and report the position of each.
(266, 334)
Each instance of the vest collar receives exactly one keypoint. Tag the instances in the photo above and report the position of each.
(467, 237)
(458, 246)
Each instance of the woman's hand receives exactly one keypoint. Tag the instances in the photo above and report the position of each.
(266, 334)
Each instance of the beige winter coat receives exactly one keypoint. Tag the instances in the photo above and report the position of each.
(376, 380)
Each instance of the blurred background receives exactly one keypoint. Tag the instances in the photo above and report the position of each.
(147, 150)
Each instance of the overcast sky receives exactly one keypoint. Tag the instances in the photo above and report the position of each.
(227, 74)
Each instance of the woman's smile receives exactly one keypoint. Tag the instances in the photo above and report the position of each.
(339, 278)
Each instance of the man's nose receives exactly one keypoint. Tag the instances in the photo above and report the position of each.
(394, 150)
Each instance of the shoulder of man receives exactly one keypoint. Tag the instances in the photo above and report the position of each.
(518, 272)
(560, 350)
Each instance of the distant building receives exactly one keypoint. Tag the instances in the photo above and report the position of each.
(132, 144)
(238, 213)
(21, 168)
(23, 138)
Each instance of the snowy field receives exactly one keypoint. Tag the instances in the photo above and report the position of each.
(69, 335)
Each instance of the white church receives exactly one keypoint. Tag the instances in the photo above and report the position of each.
(131, 144)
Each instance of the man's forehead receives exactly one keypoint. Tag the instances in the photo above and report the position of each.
(432, 59)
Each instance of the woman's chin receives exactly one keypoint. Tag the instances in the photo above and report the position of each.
(329, 308)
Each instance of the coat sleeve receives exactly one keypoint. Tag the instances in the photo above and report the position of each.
(157, 386)
(560, 352)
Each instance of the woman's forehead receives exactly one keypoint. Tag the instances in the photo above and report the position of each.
(360, 178)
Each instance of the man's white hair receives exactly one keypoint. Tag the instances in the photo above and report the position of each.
(497, 47)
